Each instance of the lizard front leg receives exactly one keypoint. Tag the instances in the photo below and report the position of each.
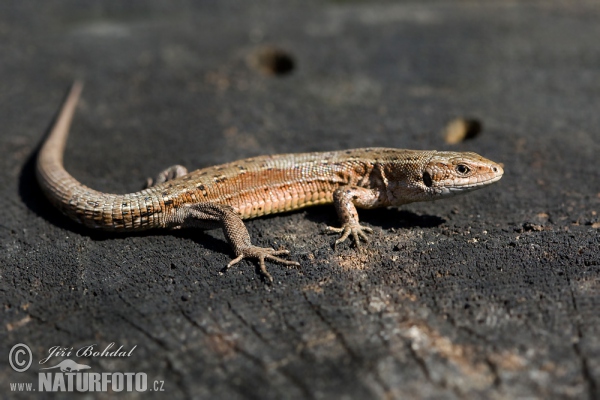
(207, 215)
(346, 199)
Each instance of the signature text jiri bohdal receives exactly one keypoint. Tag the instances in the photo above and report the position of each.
(92, 350)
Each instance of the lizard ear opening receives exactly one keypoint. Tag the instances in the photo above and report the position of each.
(427, 179)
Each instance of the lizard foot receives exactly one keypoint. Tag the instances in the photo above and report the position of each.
(263, 253)
(357, 231)
(173, 172)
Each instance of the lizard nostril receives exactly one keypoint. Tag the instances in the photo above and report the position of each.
(495, 169)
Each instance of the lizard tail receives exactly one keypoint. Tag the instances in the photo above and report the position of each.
(51, 174)
(82, 204)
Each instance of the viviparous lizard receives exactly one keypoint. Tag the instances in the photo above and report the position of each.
(222, 196)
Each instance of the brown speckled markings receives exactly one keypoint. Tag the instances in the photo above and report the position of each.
(223, 195)
(272, 184)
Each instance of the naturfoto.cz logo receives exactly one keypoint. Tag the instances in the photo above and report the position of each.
(70, 376)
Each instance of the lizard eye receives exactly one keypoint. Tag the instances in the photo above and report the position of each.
(462, 169)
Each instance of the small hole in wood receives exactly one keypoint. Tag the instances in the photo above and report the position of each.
(461, 129)
(272, 61)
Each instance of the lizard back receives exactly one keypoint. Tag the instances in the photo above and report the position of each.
(284, 182)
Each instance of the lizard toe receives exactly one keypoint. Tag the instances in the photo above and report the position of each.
(357, 231)
(262, 254)
(332, 229)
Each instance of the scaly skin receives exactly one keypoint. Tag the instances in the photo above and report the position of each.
(223, 195)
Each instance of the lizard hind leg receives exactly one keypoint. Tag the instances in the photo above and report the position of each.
(210, 214)
(173, 172)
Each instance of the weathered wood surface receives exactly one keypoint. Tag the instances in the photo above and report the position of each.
(491, 295)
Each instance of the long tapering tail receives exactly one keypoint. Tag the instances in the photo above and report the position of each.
(82, 204)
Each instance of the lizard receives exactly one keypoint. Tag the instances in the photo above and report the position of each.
(69, 366)
(223, 196)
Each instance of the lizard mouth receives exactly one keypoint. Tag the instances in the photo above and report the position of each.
(479, 182)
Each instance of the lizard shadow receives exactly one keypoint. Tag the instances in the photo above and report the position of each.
(35, 200)
(385, 218)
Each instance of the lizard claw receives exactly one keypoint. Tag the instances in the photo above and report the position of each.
(357, 231)
(263, 253)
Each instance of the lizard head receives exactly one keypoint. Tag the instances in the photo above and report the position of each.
(449, 173)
